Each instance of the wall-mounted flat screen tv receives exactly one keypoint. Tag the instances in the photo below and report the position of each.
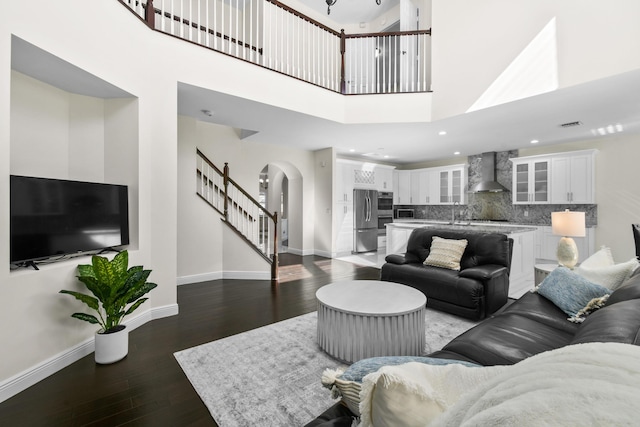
(54, 217)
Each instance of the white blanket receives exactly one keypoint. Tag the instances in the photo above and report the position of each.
(595, 384)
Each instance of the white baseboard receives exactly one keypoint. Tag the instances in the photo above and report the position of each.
(33, 375)
(324, 254)
(301, 252)
(248, 275)
(198, 278)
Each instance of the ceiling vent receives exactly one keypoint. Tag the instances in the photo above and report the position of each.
(570, 124)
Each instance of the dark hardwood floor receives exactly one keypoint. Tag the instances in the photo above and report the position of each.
(148, 387)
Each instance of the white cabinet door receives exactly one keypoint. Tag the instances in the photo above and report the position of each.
(344, 182)
(404, 188)
(414, 197)
(521, 276)
(451, 186)
(344, 228)
(433, 194)
(384, 178)
(581, 177)
(457, 177)
(531, 182)
(423, 191)
(572, 180)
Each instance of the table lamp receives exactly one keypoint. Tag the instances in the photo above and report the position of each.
(568, 224)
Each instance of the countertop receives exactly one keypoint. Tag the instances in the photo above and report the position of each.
(487, 227)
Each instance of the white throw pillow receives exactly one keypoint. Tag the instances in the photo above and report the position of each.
(446, 253)
(610, 276)
(602, 258)
(415, 394)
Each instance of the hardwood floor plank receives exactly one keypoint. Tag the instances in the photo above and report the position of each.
(148, 387)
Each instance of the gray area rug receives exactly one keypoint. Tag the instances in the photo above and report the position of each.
(270, 376)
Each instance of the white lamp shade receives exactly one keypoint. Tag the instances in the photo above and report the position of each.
(569, 224)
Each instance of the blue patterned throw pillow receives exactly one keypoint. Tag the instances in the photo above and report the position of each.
(362, 368)
(347, 384)
(569, 291)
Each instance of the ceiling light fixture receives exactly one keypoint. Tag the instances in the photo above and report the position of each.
(456, 153)
(534, 141)
(608, 130)
(442, 132)
(332, 2)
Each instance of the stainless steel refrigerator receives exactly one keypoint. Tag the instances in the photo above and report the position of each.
(365, 220)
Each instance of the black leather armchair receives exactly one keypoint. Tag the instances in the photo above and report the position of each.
(480, 288)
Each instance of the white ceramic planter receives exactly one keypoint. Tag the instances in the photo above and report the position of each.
(112, 347)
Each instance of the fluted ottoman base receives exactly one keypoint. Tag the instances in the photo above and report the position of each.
(358, 319)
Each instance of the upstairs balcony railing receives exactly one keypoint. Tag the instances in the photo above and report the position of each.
(273, 35)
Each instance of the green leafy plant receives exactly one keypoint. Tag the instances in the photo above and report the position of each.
(114, 287)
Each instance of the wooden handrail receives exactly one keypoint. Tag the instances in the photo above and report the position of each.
(389, 33)
(228, 180)
(304, 17)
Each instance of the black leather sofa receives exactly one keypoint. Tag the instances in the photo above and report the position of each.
(480, 287)
(529, 326)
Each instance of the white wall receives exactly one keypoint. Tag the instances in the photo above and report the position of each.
(471, 47)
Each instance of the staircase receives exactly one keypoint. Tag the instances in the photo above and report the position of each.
(241, 212)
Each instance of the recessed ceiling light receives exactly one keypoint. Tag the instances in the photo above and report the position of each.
(457, 153)
(442, 132)
(608, 130)
(534, 141)
(352, 150)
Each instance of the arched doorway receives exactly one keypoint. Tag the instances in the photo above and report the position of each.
(280, 189)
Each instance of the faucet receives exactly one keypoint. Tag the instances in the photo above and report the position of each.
(453, 212)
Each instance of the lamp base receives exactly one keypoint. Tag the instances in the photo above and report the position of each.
(567, 252)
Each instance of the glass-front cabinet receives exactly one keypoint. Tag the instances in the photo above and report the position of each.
(531, 181)
(452, 186)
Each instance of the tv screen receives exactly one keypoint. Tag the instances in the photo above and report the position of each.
(53, 217)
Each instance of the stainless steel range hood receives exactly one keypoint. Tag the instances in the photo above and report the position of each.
(488, 171)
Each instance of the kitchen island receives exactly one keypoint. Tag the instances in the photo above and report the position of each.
(521, 277)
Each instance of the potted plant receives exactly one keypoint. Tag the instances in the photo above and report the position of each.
(117, 291)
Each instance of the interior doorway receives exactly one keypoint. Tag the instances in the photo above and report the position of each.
(280, 191)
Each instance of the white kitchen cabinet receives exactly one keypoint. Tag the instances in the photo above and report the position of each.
(397, 238)
(521, 275)
(383, 177)
(530, 181)
(451, 184)
(428, 186)
(344, 181)
(572, 178)
(416, 184)
(343, 217)
(402, 196)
